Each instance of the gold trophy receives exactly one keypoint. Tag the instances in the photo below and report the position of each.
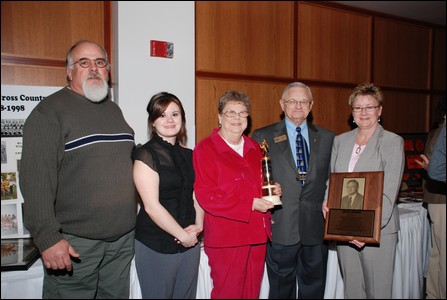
(268, 184)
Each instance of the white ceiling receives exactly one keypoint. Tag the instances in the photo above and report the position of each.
(426, 11)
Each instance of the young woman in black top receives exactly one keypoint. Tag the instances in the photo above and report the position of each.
(167, 252)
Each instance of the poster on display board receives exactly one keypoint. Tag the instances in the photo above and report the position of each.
(17, 103)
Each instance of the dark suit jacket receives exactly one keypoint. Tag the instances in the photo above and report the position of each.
(300, 217)
(356, 204)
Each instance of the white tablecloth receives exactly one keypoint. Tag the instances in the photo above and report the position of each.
(407, 276)
(412, 252)
(426, 232)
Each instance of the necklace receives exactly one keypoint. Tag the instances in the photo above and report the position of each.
(358, 150)
(361, 145)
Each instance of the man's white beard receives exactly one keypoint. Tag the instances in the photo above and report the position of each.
(94, 92)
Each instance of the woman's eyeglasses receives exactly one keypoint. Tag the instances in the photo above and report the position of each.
(368, 109)
(233, 114)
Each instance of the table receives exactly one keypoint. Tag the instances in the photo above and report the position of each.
(426, 231)
(407, 276)
(23, 284)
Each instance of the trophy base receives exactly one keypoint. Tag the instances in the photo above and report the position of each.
(274, 199)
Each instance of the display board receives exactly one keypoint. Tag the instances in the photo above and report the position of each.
(17, 104)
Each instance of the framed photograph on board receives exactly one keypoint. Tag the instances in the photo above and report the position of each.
(355, 207)
(18, 254)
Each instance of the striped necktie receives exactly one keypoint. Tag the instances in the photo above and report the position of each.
(302, 156)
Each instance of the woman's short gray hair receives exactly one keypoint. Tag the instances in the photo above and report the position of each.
(233, 96)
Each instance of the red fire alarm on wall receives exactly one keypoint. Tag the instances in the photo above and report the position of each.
(162, 49)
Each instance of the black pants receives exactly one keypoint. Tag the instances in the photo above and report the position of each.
(287, 265)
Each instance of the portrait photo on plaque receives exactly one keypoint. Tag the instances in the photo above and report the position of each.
(354, 189)
(355, 207)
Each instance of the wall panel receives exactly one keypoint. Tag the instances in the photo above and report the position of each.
(401, 54)
(331, 109)
(28, 30)
(244, 37)
(405, 112)
(333, 45)
(439, 64)
(36, 76)
(39, 33)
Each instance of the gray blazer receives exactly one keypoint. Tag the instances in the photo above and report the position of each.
(300, 217)
(384, 152)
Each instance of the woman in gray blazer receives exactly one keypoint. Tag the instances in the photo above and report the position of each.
(368, 270)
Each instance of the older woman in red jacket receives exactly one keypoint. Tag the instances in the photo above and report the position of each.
(228, 187)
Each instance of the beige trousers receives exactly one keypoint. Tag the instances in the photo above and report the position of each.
(436, 278)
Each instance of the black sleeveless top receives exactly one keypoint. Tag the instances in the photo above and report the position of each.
(173, 163)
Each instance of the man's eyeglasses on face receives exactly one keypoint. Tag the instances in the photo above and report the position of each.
(293, 102)
(233, 114)
(368, 109)
(86, 62)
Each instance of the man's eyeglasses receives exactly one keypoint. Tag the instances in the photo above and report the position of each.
(368, 109)
(233, 114)
(293, 102)
(86, 62)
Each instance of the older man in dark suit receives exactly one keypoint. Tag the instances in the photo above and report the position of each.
(297, 251)
(354, 200)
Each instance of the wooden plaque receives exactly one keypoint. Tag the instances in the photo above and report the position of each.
(357, 219)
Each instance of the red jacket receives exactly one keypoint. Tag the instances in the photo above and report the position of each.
(225, 186)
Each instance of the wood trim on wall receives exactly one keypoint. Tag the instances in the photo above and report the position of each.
(335, 79)
(31, 55)
(14, 60)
